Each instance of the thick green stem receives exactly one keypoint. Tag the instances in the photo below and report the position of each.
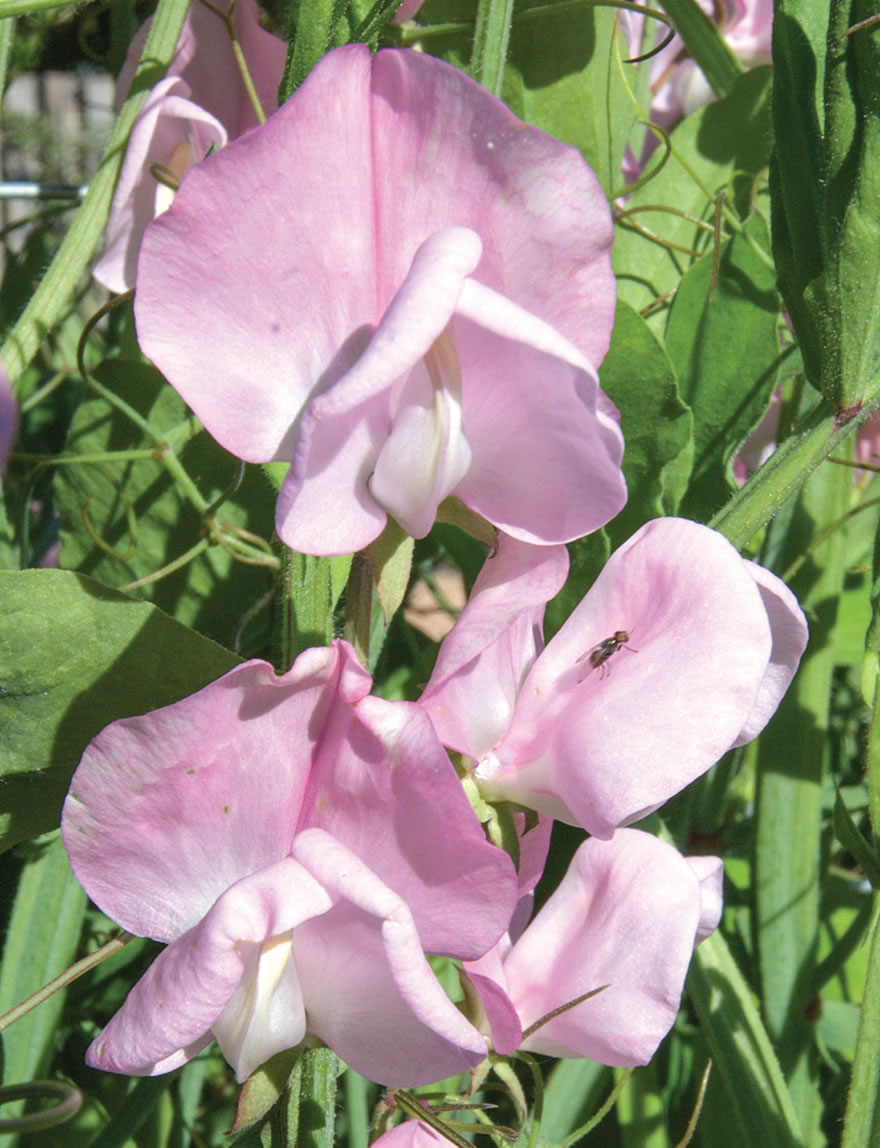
(491, 38)
(785, 472)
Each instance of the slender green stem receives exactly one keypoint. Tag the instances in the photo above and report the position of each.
(227, 18)
(861, 1127)
(175, 564)
(64, 979)
(12, 8)
(45, 461)
(579, 1133)
(862, 1123)
(7, 36)
(69, 1101)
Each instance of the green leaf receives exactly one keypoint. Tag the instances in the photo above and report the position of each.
(723, 146)
(390, 557)
(571, 82)
(263, 1088)
(41, 940)
(741, 1051)
(725, 350)
(657, 426)
(847, 833)
(790, 823)
(140, 518)
(574, 1091)
(76, 656)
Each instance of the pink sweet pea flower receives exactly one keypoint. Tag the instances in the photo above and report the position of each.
(201, 103)
(8, 418)
(299, 845)
(681, 650)
(626, 915)
(404, 291)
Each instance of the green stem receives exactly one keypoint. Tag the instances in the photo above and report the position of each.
(244, 71)
(7, 36)
(862, 1123)
(308, 596)
(68, 1103)
(313, 24)
(491, 38)
(578, 1135)
(55, 289)
(785, 472)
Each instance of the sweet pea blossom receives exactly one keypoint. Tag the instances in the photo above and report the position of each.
(299, 845)
(403, 291)
(626, 916)
(680, 651)
(200, 104)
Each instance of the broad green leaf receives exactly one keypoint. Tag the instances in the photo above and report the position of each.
(390, 557)
(571, 82)
(727, 139)
(41, 941)
(790, 827)
(742, 1055)
(75, 656)
(657, 426)
(263, 1089)
(725, 350)
(124, 520)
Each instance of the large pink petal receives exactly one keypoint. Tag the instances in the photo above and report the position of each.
(369, 993)
(789, 631)
(383, 786)
(167, 810)
(167, 1017)
(252, 286)
(521, 396)
(484, 658)
(447, 153)
(603, 746)
(626, 916)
